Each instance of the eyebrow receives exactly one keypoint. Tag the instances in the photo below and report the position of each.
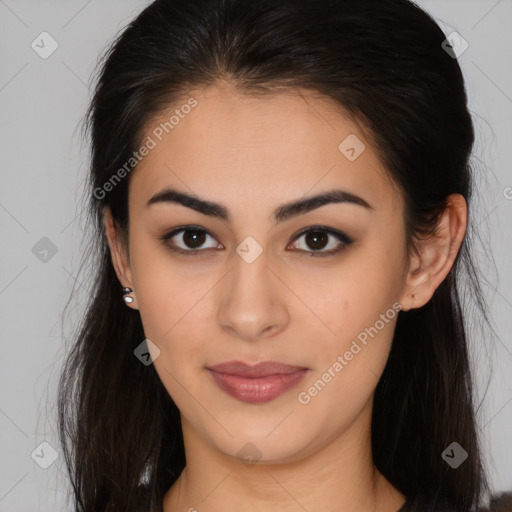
(280, 214)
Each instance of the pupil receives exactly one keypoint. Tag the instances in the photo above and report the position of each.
(317, 237)
(192, 236)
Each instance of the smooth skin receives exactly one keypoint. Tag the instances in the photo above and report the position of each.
(252, 155)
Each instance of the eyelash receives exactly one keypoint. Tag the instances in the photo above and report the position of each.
(345, 241)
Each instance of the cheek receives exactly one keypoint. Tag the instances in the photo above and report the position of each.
(365, 285)
(361, 309)
(166, 295)
(175, 306)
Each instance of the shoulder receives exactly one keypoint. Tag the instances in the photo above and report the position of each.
(500, 503)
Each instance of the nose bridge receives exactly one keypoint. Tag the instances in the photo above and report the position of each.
(250, 267)
(252, 303)
(251, 279)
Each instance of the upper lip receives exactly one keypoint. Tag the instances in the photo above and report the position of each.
(263, 369)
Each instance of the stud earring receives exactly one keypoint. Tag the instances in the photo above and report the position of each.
(127, 297)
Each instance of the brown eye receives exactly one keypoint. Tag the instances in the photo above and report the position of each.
(193, 238)
(317, 239)
(188, 240)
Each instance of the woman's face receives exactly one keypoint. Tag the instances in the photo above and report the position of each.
(257, 288)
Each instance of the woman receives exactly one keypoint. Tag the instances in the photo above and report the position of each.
(280, 193)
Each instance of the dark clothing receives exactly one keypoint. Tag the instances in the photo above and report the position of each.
(499, 503)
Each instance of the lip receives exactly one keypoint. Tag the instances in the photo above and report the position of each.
(258, 383)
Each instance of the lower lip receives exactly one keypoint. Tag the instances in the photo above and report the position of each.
(257, 390)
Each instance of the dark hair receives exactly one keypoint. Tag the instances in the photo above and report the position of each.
(382, 62)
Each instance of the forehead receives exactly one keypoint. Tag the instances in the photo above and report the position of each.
(285, 144)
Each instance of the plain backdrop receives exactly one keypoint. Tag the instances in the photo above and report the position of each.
(43, 164)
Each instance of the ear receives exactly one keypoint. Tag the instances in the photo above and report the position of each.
(119, 255)
(429, 266)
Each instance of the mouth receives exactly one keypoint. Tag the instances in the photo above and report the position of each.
(258, 383)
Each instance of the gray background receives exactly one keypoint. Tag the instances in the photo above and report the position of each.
(43, 163)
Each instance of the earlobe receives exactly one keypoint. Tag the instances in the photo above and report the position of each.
(119, 260)
(436, 254)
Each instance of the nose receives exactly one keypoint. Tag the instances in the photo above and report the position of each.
(253, 304)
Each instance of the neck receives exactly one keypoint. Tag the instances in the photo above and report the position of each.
(340, 476)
